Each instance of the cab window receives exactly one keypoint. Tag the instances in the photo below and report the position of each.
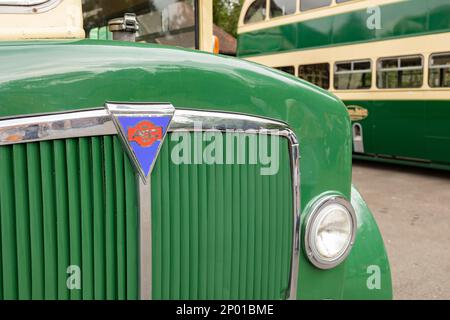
(280, 8)
(167, 22)
(353, 75)
(256, 12)
(400, 72)
(318, 74)
(440, 70)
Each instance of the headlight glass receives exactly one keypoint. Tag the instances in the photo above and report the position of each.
(330, 232)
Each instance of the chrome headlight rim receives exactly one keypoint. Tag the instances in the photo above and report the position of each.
(312, 220)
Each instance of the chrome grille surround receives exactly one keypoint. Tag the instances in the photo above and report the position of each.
(98, 122)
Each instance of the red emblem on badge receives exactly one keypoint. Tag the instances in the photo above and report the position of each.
(145, 133)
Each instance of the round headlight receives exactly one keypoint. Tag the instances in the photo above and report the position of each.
(330, 232)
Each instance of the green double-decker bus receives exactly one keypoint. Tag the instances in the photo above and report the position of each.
(388, 60)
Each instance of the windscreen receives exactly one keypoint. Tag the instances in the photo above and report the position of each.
(167, 22)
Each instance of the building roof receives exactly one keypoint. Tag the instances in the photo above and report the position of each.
(227, 43)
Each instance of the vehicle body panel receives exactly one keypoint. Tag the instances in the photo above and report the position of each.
(57, 76)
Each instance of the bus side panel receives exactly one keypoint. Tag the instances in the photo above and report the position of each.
(437, 131)
(394, 128)
(399, 128)
(367, 125)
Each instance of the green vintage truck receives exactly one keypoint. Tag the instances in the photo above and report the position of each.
(137, 170)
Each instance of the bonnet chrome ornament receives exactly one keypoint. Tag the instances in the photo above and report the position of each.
(142, 128)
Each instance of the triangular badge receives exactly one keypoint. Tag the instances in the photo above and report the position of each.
(142, 128)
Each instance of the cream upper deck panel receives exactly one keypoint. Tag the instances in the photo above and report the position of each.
(436, 43)
(333, 9)
(60, 19)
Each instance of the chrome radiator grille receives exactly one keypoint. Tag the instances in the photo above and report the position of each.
(71, 198)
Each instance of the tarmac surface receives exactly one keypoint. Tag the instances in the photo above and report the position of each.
(412, 208)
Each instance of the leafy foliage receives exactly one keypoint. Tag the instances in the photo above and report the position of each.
(226, 14)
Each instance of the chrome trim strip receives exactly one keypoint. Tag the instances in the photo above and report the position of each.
(93, 122)
(222, 121)
(140, 109)
(295, 171)
(32, 6)
(145, 240)
(97, 122)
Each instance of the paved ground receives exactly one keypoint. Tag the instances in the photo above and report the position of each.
(412, 208)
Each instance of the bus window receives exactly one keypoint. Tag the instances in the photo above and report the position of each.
(313, 4)
(287, 69)
(440, 70)
(168, 22)
(280, 8)
(353, 75)
(341, 1)
(318, 74)
(256, 12)
(402, 72)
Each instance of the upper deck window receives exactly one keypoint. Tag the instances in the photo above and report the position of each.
(280, 8)
(168, 22)
(440, 70)
(256, 12)
(400, 72)
(313, 4)
(353, 75)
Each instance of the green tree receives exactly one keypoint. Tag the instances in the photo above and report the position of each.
(226, 14)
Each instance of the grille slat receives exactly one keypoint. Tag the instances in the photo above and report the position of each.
(243, 222)
(74, 208)
(258, 237)
(36, 221)
(120, 166)
(22, 223)
(132, 232)
(63, 243)
(54, 214)
(210, 232)
(184, 234)
(110, 222)
(251, 209)
(86, 220)
(175, 226)
(193, 231)
(99, 211)
(9, 252)
(220, 231)
(50, 226)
